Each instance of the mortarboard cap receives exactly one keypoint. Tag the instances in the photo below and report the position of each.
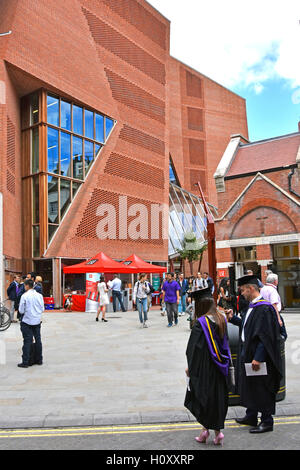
(248, 280)
(201, 294)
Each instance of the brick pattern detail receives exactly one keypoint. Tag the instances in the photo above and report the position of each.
(198, 175)
(193, 85)
(142, 19)
(11, 157)
(197, 152)
(133, 170)
(87, 228)
(131, 95)
(137, 137)
(195, 119)
(110, 39)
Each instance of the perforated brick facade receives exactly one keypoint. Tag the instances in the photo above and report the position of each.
(111, 56)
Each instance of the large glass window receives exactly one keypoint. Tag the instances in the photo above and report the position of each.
(99, 127)
(109, 124)
(89, 124)
(52, 110)
(65, 196)
(88, 155)
(65, 154)
(65, 116)
(77, 120)
(53, 200)
(53, 155)
(77, 158)
(35, 150)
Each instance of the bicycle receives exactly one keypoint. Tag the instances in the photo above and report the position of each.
(5, 319)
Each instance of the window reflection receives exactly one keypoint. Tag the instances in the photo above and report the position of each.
(34, 109)
(65, 154)
(36, 241)
(88, 155)
(52, 150)
(89, 124)
(75, 187)
(65, 115)
(52, 110)
(65, 196)
(77, 120)
(99, 128)
(77, 158)
(53, 200)
(35, 200)
(35, 150)
(109, 124)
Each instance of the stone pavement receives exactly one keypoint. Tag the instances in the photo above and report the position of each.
(110, 373)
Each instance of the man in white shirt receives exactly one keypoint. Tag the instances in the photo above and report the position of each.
(116, 286)
(31, 308)
(199, 283)
(270, 293)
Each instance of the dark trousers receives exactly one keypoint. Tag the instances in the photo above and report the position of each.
(29, 332)
(117, 295)
(266, 417)
(172, 311)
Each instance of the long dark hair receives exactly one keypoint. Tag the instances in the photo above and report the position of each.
(207, 306)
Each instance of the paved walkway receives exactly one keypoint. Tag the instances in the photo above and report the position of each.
(110, 373)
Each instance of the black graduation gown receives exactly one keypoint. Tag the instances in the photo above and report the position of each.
(262, 327)
(207, 399)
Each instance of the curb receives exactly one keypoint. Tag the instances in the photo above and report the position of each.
(58, 421)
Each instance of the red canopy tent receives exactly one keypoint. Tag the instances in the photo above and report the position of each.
(100, 263)
(137, 265)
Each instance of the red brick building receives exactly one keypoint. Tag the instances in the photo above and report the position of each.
(92, 107)
(258, 227)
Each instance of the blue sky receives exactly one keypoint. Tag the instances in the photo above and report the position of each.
(251, 47)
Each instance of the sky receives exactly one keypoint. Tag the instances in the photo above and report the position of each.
(251, 47)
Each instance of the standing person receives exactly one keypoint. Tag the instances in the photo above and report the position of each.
(199, 282)
(104, 300)
(38, 285)
(12, 293)
(184, 287)
(116, 287)
(259, 343)
(210, 282)
(20, 293)
(140, 298)
(171, 291)
(208, 357)
(226, 298)
(270, 293)
(31, 307)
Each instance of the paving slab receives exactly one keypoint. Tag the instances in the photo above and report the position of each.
(111, 373)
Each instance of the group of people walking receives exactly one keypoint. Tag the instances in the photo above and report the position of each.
(259, 365)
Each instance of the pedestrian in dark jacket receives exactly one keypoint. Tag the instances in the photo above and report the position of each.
(12, 293)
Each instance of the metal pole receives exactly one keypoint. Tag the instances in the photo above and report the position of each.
(211, 240)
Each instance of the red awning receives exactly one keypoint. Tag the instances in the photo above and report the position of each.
(100, 263)
(139, 266)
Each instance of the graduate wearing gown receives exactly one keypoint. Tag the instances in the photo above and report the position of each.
(259, 342)
(208, 358)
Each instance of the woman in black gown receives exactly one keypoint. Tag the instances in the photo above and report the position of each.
(208, 358)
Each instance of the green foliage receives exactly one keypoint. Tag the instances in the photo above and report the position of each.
(192, 248)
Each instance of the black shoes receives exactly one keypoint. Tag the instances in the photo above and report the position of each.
(247, 421)
(24, 366)
(103, 319)
(261, 428)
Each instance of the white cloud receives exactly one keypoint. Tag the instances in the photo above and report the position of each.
(236, 42)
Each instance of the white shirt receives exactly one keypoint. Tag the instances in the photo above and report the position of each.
(270, 293)
(116, 284)
(32, 307)
(139, 291)
(247, 316)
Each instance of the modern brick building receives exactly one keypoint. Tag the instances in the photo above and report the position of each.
(92, 109)
(258, 226)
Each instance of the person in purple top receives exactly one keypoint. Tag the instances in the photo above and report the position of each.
(171, 290)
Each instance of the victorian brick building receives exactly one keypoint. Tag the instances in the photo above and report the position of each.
(258, 226)
(94, 108)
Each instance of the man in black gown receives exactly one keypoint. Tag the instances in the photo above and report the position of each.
(259, 342)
